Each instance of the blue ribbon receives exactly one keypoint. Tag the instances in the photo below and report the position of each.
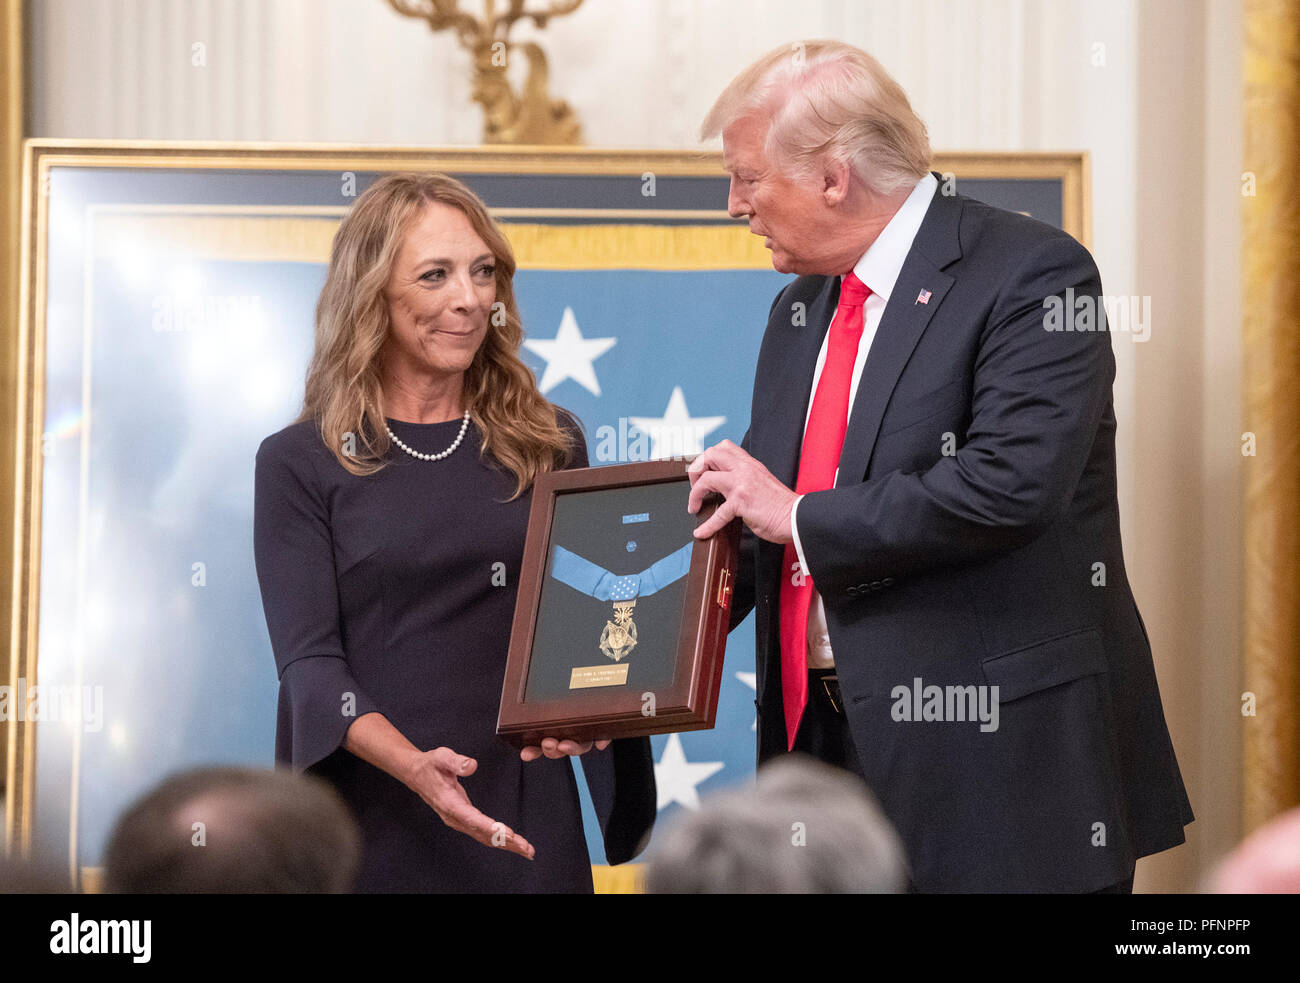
(584, 576)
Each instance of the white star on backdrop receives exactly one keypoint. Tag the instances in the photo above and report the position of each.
(676, 433)
(750, 679)
(569, 355)
(676, 778)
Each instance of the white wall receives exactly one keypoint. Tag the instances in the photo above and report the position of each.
(1150, 90)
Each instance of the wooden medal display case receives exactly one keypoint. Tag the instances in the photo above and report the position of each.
(610, 709)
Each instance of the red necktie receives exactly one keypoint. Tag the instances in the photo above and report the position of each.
(818, 460)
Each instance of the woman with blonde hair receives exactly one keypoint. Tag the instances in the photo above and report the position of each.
(389, 527)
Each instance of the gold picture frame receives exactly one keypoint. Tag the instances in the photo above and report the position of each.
(25, 415)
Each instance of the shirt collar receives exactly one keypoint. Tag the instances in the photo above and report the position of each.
(883, 261)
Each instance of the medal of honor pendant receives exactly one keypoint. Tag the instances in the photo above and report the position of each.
(619, 636)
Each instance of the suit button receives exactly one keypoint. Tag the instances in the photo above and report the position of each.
(851, 590)
(875, 585)
(888, 581)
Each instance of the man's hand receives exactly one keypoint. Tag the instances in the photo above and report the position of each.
(749, 491)
(558, 749)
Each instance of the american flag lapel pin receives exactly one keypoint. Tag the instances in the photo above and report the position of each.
(922, 298)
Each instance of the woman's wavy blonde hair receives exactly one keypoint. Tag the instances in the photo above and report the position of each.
(343, 392)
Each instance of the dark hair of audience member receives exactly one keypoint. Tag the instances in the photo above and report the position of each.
(229, 830)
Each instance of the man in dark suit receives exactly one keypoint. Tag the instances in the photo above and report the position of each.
(928, 481)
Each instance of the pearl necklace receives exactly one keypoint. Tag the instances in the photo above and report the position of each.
(464, 425)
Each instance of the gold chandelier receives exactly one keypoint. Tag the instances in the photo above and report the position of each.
(530, 116)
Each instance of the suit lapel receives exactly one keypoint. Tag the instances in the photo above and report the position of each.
(901, 327)
(793, 385)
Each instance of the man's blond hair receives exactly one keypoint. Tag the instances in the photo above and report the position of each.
(828, 101)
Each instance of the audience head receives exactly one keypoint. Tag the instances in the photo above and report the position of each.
(232, 830)
(1266, 862)
(804, 827)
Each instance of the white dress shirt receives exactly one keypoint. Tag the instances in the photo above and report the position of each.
(878, 269)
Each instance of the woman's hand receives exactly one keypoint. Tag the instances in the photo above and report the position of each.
(435, 776)
(553, 748)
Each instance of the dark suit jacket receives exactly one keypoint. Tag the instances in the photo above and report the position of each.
(960, 546)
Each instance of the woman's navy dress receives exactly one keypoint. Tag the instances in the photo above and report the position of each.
(395, 593)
